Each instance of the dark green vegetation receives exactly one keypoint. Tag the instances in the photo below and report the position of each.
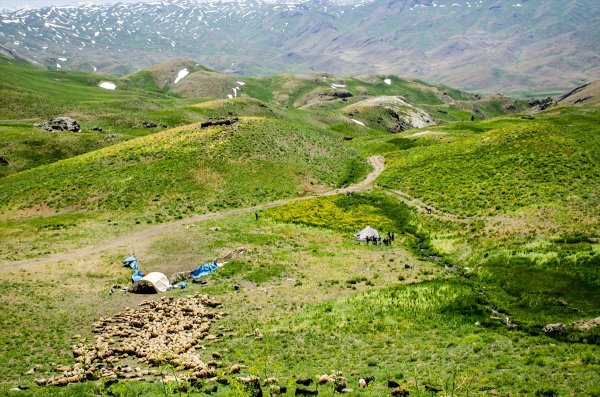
(496, 224)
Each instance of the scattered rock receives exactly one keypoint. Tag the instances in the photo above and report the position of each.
(223, 121)
(583, 99)
(149, 124)
(563, 302)
(348, 138)
(60, 124)
(97, 129)
(480, 113)
(4, 161)
(510, 107)
(215, 229)
(541, 104)
(408, 266)
(553, 328)
(30, 372)
(586, 325)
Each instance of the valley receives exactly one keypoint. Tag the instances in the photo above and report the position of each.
(493, 202)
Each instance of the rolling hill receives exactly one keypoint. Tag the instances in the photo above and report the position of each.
(490, 286)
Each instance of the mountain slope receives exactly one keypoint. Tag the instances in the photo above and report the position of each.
(488, 45)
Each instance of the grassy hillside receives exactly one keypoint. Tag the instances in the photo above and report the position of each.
(169, 175)
(496, 223)
(29, 95)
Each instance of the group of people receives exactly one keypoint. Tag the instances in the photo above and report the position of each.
(378, 240)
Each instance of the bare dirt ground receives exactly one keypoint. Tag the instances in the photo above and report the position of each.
(143, 238)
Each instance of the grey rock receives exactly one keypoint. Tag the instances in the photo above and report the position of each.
(60, 124)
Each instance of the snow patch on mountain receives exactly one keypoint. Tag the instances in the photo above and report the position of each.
(107, 85)
(182, 73)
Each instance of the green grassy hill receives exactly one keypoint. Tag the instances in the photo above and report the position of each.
(496, 223)
(29, 95)
(170, 175)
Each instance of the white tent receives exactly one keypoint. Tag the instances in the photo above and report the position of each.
(154, 282)
(366, 232)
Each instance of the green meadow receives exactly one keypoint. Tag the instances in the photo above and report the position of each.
(496, 227)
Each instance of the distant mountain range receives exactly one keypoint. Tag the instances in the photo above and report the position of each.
(516, 46)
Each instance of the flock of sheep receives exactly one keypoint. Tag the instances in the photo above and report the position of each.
(169, 331)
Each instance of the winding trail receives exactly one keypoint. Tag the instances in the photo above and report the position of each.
(424, 208)
(141, 239)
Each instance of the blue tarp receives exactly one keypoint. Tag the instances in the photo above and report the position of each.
(131, 261)
(205, 269)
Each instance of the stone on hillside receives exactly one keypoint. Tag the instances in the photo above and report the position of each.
(4, 161)
(583, 325)
(149, 124)
(337, 94)
(563, 302)
(214, 122)
(541, 104)
(97, 129)
(553, 328)
(60, 124)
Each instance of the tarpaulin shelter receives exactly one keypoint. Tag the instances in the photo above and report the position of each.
(366, 232)
(154, 282)
(131, 261)
(205, 269)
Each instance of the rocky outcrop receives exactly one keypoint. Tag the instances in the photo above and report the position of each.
(401, 125)
(4, 161)
(583, 325)
(60, 124)
(553, 328)
(213, 122)
(541, 104)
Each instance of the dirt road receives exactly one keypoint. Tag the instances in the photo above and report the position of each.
(143, 238)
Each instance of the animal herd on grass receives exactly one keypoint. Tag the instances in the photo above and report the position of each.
(304, 386)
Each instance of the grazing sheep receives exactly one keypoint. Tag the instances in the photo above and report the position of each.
(235, 368)
(392, 384)
(400, 391)
(322, 379)
(304, 382)
(305, 392)
(364, 382)
(277, 390)
(252, 384)
(432, 389)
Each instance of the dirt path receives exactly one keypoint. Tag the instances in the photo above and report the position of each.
(143, 238)
(424, 208)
